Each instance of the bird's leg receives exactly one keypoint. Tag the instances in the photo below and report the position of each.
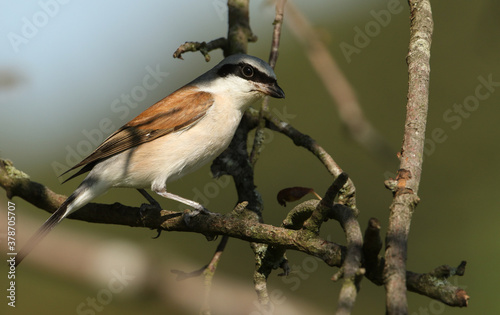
(149, 198)
(152, 205)
(198, 208)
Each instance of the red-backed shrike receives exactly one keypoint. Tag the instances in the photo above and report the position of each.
(172, 138)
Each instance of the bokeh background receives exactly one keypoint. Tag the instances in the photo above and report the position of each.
(68, 74)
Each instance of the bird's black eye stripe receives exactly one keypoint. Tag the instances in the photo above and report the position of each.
(241, 70)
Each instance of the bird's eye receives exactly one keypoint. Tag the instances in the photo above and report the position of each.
(247, 71)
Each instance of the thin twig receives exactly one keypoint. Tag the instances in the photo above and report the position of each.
(320, 215)
(202, 47)
(273, 57)
(347, 194)
(208, 270)
(278, 22)
(209, 273)
(351, 271)
(339, 88)
(299, 214)
(351, 268)
(436, 286)
(411, 156)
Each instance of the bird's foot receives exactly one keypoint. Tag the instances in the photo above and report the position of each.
(145, 211)
(188, 215)
(153, 204)
(146, 207)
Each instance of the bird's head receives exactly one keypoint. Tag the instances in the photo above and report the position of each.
(244, 78)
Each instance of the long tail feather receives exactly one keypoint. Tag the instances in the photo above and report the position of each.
(90, 188)
(46, 227)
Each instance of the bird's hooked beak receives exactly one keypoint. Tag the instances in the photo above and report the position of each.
(272, 89)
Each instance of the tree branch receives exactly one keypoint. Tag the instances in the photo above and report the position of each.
(235, 224)
(311, 220)
(411, 157)
(347, 194)
(350, 270)
(436, 286)
(239, 32)
(321, 213)
(209, 273)
(18, 184)
(203, 47)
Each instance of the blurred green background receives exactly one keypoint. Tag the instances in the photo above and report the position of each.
(60, 77)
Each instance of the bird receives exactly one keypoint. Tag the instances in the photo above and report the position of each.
(171, 138)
